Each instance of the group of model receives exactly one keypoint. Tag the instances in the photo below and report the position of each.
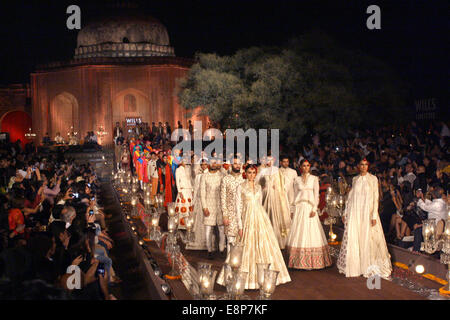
(270, 209)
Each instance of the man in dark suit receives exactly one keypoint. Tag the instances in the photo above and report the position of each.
(154, 129)
(117, 131)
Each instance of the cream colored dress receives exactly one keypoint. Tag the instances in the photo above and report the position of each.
(199, 241)
(276, 204)
(258, 238)
(306, 243)
(363, 251)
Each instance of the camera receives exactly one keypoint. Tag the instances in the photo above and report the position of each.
(91, 212)
(75, 195)
(93, 198)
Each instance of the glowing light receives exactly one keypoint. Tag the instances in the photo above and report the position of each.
(420, 269)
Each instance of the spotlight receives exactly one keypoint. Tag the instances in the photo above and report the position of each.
(165, 288)
(420, 269)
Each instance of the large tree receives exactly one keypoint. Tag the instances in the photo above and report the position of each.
(311, 84)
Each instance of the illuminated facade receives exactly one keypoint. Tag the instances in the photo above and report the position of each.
(123, 68)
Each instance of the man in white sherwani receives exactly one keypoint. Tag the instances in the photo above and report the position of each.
(231, 220)
(289, 176)
(212, 210)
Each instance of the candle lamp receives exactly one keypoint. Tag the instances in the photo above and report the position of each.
(261, 267)
(335, 207)
(431, 244)
(236, 251)
(173, 253)
(238, 287)
(207, 280)
(171, 209)
(229, 279)
(147, 203)
(270, 282)
(189, 222)
(154, 232)
(134, 202)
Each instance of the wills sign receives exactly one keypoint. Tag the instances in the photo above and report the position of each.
(131, 122)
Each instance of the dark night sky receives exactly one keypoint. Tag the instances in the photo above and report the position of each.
(412, 39)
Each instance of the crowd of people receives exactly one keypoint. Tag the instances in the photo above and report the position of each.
(50, 218)
(412, 166)
(50, 221)
(409, 167)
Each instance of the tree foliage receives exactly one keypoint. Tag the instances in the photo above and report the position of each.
(311, 84)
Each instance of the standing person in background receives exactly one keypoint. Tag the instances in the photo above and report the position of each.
(166, 181)
(169, 130)
(289, 176)
(117, 132)
(191, 128)
(46, 139)
(154, 129)
(152, 169)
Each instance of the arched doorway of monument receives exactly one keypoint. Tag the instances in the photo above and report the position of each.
(17, 124)
(64, 116)
(131, 106)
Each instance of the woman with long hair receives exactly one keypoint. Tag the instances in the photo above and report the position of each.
(258, 237)
(363, 251)
(306, 243)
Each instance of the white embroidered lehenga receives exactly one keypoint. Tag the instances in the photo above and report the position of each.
(258, 238)
(363, 250)
(307, 244)
(276, 204)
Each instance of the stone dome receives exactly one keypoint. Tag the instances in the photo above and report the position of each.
(123, 36)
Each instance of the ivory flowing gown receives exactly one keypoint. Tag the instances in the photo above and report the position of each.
(364, 250)
(306, 243)
(258, 238)
(276, 204)
(199, 241)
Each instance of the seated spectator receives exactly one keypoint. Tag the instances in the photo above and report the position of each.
(436, 209)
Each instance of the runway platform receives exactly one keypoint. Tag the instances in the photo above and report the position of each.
(325, 284)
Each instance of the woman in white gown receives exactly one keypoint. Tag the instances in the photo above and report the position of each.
(258, 238)
(363, 250)
(307, 244)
